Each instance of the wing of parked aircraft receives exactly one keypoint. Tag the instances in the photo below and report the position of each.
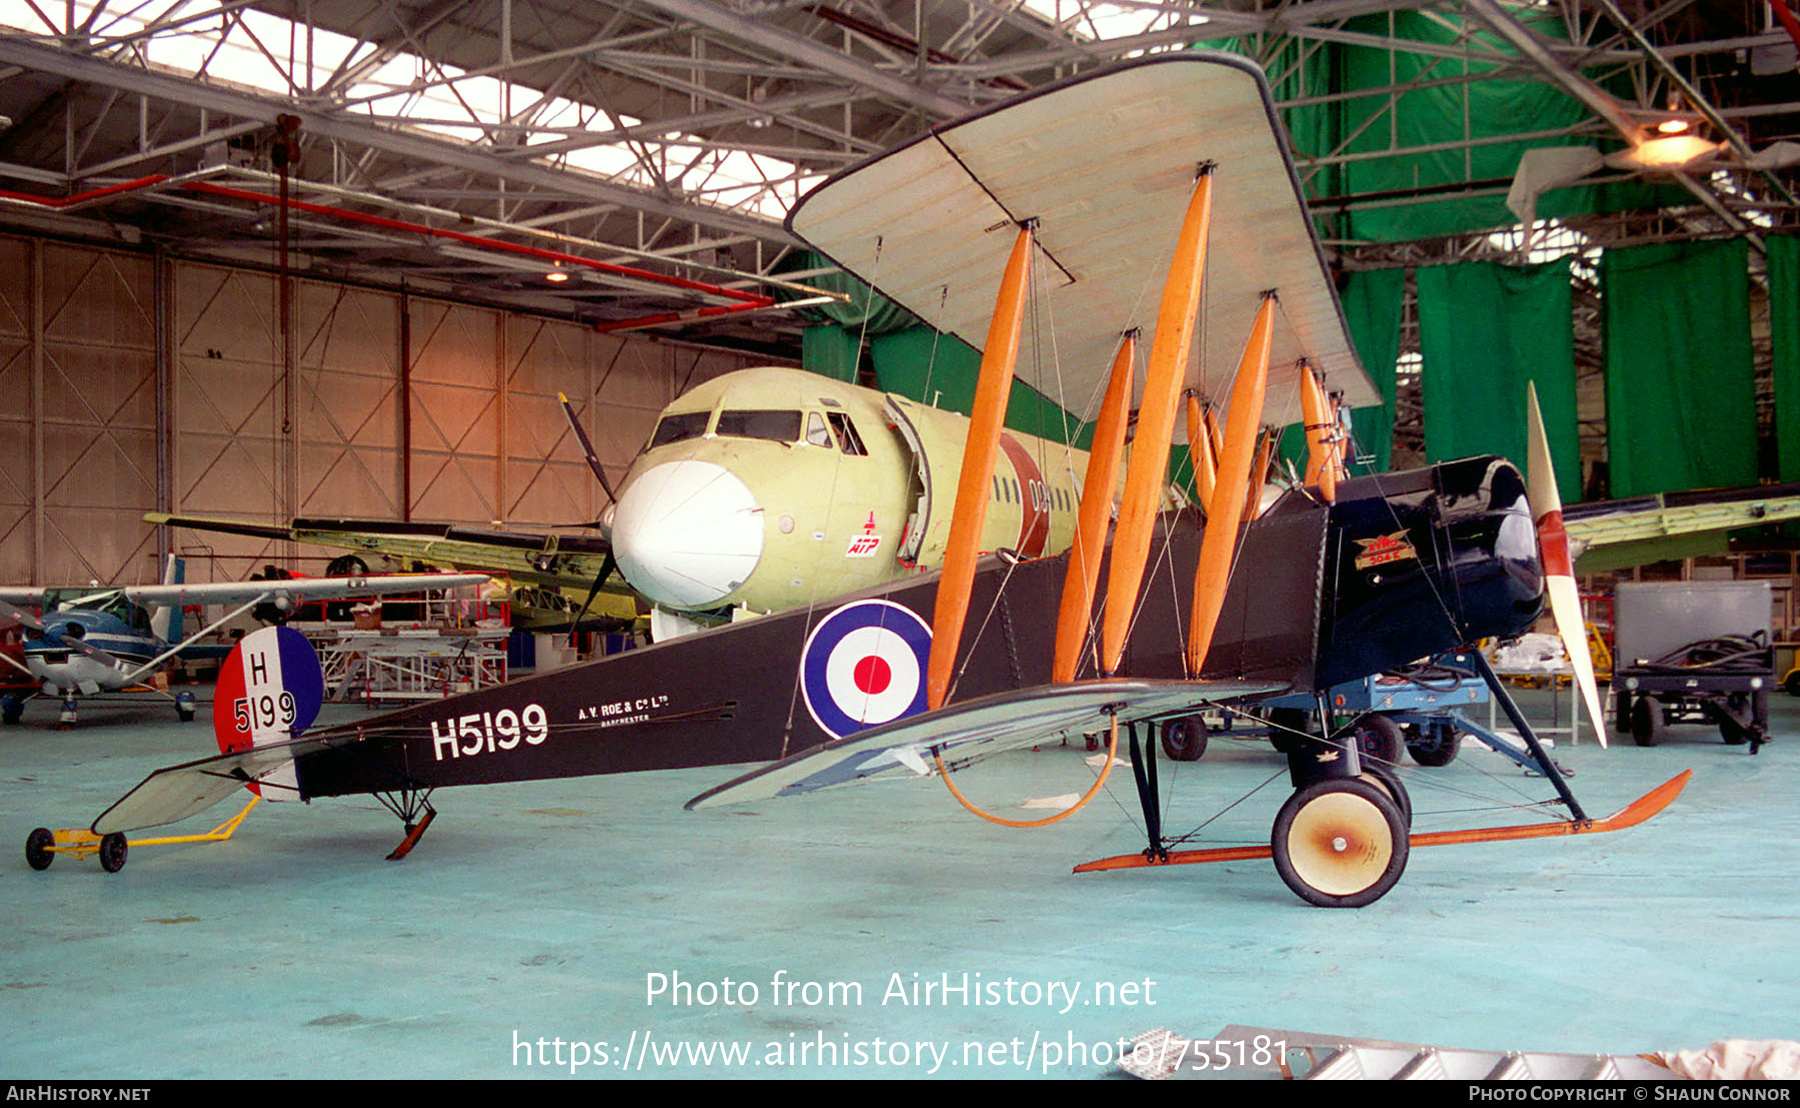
(1618, 534)
(280, 592)
(561, 562)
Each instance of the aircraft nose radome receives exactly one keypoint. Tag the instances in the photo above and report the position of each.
(686, 534)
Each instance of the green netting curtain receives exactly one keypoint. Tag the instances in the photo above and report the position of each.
(1438, 113)
(1372, 306)
(941, 370)
(1486, 329)
(832, 343)
(831, 350)
(1680, 381)
(1784, 336)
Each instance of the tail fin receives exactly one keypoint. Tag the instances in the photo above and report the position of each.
(165, 620)
(269, 691)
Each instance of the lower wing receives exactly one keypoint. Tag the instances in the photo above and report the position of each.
(969, 731)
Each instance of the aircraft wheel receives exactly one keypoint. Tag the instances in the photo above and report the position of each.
(1791, 682)
(1340, 843)
(347, 565)
(1733, 732)
(112, 852)
(1184, 739)
(12, 708)
(1287, 726)
(1379, 738)
(184, 707)
(1383, 775)
(1647, 721)
(1436, 746)
(37, 848)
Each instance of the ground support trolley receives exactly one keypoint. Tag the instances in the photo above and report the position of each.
(1736, 702)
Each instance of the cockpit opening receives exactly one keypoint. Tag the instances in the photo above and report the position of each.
(850, 442)
(679, 428)
(773, 426)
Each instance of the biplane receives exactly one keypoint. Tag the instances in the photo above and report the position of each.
(1092, 185)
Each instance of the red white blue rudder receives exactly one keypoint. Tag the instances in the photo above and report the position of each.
(269, 691)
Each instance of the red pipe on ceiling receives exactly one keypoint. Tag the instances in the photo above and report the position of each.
(743, 301)
(748, 298)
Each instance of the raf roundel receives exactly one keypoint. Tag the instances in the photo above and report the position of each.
(864, 665)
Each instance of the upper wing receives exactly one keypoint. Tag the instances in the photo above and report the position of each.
(969, 731)
(1105, 163)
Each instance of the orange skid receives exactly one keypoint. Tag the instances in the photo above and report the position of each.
(1639, 810)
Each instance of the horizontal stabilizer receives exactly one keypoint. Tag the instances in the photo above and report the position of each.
(177, 792)
(969, 731)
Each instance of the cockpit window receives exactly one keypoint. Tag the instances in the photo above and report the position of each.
(110, 602)
(846, 433)
(680, 428)
(750, 424)
(816, 434)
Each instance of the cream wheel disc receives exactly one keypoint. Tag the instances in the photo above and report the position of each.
(1340, 843)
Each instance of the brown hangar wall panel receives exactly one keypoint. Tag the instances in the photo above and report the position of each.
(230, 455)
(18, 419)
(545, 481)
(348, 411)
(79, 333)
(96, 402)
(456, 409)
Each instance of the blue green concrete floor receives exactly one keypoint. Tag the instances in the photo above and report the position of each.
(552, 911)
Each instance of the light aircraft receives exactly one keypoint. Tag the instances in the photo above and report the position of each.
(1099, 180)
(89, 640)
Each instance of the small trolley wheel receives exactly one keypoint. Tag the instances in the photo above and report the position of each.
(1383, 775)
(1379, 738)
(38, 854)
(1184, 739)
(1435, 746)
(1340, 843)
(112, 852)
(1646, 720)
(1733, 732)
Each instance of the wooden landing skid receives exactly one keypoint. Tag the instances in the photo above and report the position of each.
(1639, 810)
(414, 832)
